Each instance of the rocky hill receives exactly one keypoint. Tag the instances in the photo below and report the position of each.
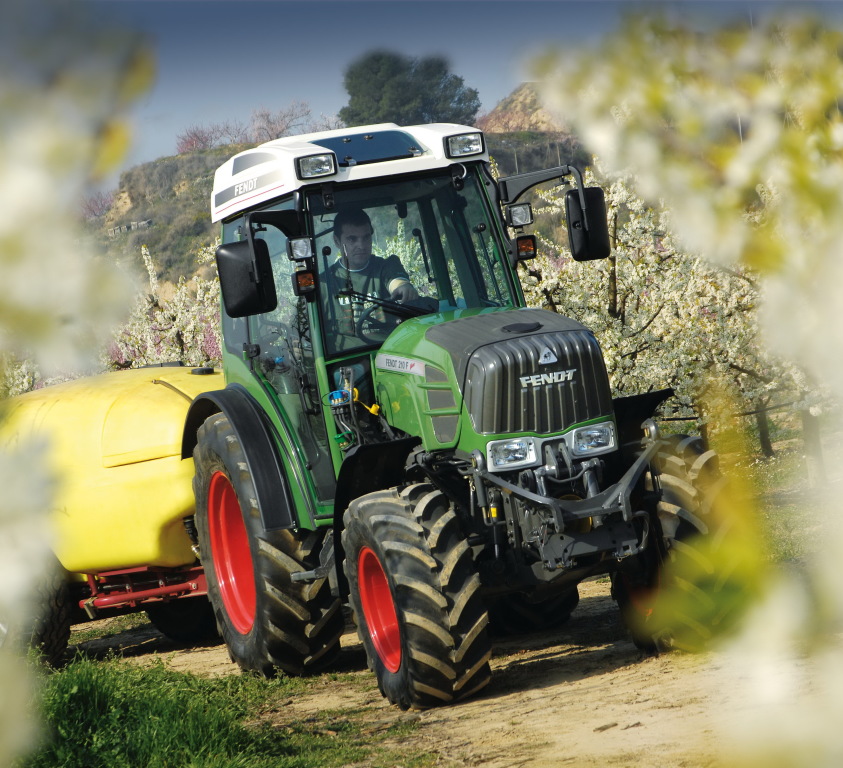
(163, 205)
(522, 110)
(524, 135)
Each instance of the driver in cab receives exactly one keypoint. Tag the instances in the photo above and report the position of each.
(358, 273)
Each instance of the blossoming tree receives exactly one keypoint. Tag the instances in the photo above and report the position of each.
(663, 317)
(739, 130)
(182, 327)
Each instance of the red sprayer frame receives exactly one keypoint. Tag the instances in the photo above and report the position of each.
(130, 587)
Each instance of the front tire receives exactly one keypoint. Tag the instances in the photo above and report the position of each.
(661, 609)
(267, 620)
(415, 595)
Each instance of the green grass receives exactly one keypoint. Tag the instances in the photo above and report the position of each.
(82, 633)
(111, 714)
(786, 505)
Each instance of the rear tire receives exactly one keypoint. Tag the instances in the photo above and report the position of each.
(415, 595)
(691, 484)
(267, 620)
(51, 629)
(48, 631)
(187, 620)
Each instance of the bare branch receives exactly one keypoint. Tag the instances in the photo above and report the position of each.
(267, 125)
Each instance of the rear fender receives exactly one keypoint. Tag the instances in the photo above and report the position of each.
(257, 439)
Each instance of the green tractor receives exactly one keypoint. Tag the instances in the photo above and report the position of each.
(399, 431)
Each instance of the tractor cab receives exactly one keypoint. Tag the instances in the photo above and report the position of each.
(334, 243)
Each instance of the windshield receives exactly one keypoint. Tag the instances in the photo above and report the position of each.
(399, 248)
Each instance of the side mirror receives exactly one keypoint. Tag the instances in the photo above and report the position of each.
(588, 230)
(246, 281)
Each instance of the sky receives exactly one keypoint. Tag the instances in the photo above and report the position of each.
(218, 60)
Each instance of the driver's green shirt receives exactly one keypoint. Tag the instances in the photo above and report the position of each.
(342, 312)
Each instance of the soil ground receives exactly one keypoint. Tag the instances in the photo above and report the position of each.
(582, 695)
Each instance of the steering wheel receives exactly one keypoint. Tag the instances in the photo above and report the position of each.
(367, 324)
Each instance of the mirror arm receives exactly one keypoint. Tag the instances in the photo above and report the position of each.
(510, 188)
(250, 233)
(575, 172)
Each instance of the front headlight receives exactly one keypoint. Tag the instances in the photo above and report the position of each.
(514, 453)
(597, 438)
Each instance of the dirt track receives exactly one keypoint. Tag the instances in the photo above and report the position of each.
(582, 696)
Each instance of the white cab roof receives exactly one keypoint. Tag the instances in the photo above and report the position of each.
(269, 170)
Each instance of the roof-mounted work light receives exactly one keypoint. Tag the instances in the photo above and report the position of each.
(464, 145)
(314, 166)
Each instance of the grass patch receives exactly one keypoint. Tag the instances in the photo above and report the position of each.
(786, 505)
(103, 628)
(108, 714)
(787, 509)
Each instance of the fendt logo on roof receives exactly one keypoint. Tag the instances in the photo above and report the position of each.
(245, 186)
(541, 379)
(260, 185)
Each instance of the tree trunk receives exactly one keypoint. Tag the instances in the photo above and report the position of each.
(613, 287)
(763, 424)
(613, 275)
(813, 448)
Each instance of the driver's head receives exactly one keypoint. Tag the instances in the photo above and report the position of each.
(353, 237)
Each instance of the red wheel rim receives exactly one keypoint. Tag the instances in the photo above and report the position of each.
(379, 609)
(231, 554)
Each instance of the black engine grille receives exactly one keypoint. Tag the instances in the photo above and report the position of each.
(513, 385)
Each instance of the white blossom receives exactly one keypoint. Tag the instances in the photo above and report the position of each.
(738, 131)
(182, 327)
(66, 82)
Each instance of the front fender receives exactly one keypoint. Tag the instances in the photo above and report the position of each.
(632, 410)
(366, 468)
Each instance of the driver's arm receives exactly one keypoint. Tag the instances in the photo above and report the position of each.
(396, 280)
(401, 289)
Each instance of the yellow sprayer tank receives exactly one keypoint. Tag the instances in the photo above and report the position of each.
(115, 443)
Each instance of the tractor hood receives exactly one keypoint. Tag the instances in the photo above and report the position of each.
(466, 377)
